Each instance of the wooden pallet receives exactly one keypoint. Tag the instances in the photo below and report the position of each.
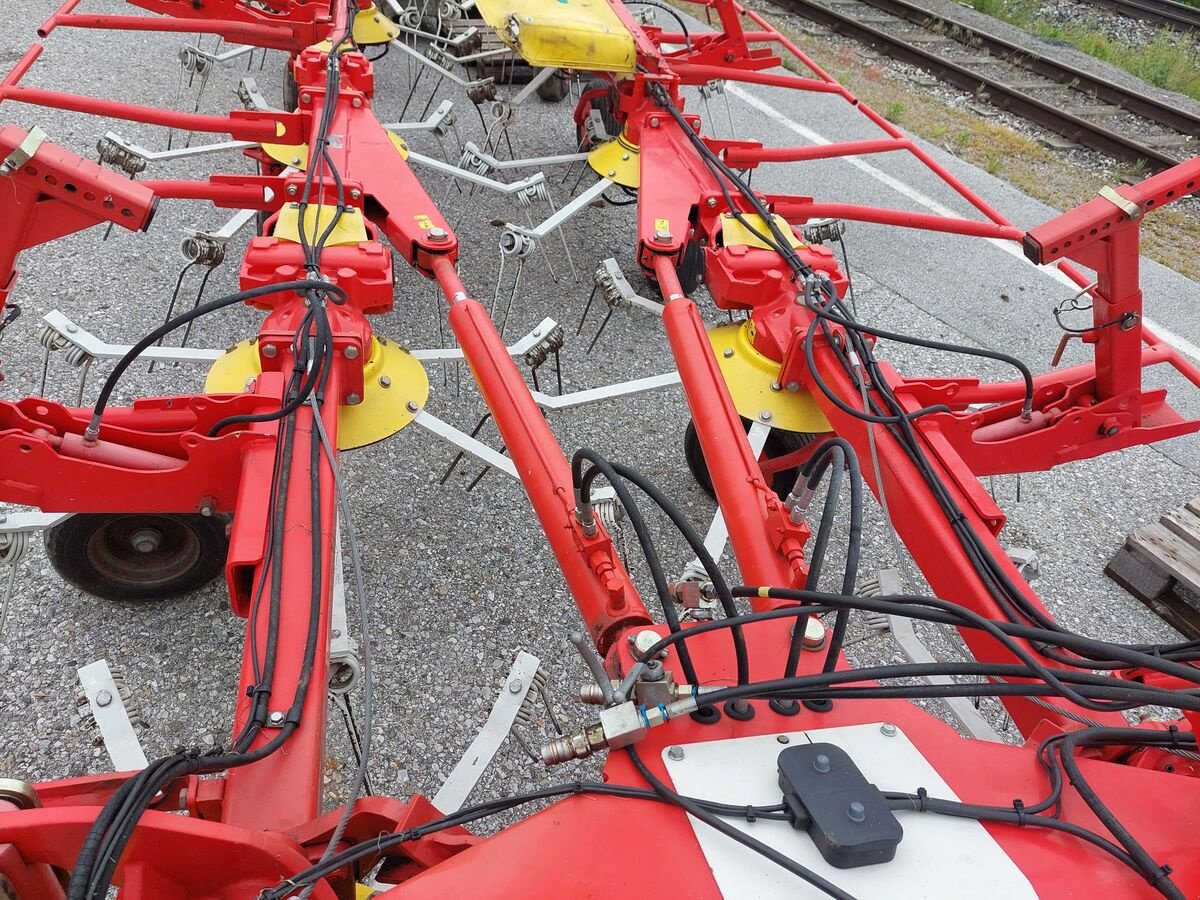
(1158, 559)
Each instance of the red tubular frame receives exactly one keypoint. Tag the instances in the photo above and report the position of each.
(261, 821)
(606, 597)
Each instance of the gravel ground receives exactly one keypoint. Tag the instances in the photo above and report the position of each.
(467, 573)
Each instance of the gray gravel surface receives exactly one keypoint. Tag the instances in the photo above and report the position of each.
(459, 581)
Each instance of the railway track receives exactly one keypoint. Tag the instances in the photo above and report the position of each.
(1080, 107)
(1177, 16)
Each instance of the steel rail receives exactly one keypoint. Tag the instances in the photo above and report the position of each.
(1000, 94)
(1178, 16)
(1131, 101)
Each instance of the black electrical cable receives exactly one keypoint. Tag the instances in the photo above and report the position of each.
(697, 811)
(466, 815)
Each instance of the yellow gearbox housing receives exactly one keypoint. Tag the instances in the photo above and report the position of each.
(563, 34)
(750, 377)
(392, 379)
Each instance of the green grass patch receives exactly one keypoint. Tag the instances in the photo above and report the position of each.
(1170, 61)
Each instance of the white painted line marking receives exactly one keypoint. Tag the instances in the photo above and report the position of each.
(1181, 344)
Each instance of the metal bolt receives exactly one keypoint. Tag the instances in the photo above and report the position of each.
(814, 634)
(728, 352)
(295, 160)
(351, 352)
(822, 764)
(887, 729)
(356, 102)
(711, 202)
(206, 507)
(306, 98)
(625, 156)
(412, 406)
(654, 121)
(355, 194)
(103, 698)
(270, 351)
(612, 173)
(793, 387)
(337, 632)
(662, 236)
(765, 415)
(776, 386)
(275, 719)
(292, 190)
(353, 399)
(857, 812)
(384, 381)
(145, 540)
(676, 753)
(783, 739)
(643, 640)
(437, 235)
(72, 328)
(515, 686)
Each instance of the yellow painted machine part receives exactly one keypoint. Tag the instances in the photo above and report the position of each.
(383, 410)
(617, 160)
(735, 234)
(296, 155)
(749, 376)
(350, 228)
(372, 27)
(563, 34)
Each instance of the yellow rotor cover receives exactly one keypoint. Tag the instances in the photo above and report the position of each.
(749, 376)
(563, 34)
(296, 155)
(372, 27)
(617, 160)
(392, 379)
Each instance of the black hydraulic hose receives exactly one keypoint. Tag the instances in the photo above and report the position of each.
(720, 585)
(600, 466)
(204, 309)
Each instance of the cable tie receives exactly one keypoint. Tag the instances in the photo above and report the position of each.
(751, 816)
(1019, 809)
(922, 796)
(1173, 731)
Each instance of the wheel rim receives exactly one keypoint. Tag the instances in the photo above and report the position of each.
(143, 550)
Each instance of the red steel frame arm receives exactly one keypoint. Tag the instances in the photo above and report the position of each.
(284, 789)
(768, 548)
(607, 599)
(273, 37)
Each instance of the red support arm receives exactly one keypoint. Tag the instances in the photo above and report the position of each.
(607, 599)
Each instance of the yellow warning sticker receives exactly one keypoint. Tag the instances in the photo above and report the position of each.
(424, 222)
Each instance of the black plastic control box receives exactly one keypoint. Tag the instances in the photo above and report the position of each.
(844, 814)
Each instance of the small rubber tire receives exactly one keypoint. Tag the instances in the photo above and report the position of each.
(555, 88)
(99, 554)
(291, 90)
(605, 104)
(779, 443)
(690, 270)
